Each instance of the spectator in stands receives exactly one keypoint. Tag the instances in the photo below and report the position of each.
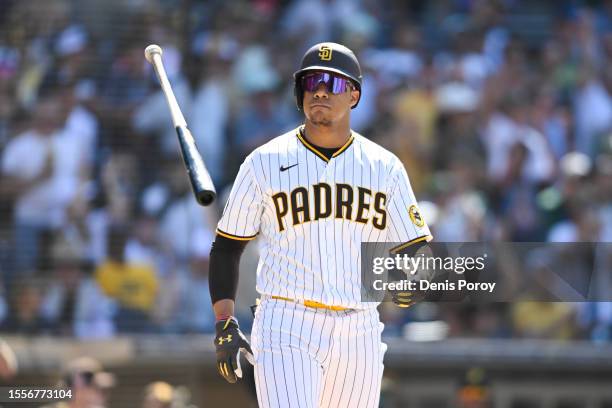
(107, 201)
(196, 315)
(77, 230)
(89, 383)
(516, 151)
(592, 112)
(133, 286)
(158, 395)
(144, 247)
(81, 124)
(458, 137)
(595, 321)
(59, 301)
(32, 29)
(9, 66)
(113, 199)
(24, 311)
(182, 221)
(73, 303)
(72, 60)
(314, 21)
(8, 361)
(409, 134)
(552, 119)
(543, 320)
(462, 209)
(575, 214)
(41, 168)
(182, 217)
(261, 119)
(125, 88)
(263, 112)
(474, 391)
(519, 164)
(535, 314)
(211, 103)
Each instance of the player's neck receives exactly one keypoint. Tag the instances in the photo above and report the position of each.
(327, 136)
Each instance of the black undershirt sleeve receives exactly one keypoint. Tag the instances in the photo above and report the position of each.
(223, 267)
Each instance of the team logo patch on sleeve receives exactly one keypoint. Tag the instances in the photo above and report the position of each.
(415, 216)
(325, 53)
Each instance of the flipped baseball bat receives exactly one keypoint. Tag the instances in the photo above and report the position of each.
(199, 177)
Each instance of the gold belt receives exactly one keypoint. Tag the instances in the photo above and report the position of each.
(312, 303)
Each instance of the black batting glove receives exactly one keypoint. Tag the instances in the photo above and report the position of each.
(229, 342)
(405, 299)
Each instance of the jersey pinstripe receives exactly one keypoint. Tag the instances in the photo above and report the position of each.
(313, 358)
(312, 215)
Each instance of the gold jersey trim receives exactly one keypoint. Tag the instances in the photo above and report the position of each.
(411, 242)
(313, 149)
(235, 237)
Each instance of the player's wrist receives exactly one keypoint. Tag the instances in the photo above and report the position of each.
(223, 317)
(229, 323)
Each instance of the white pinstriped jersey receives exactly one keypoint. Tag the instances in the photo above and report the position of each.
(312, 215)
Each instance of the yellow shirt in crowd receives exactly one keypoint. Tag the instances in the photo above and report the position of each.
(552, 320)
(133, 286)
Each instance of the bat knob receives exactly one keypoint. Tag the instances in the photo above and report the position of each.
(205, 198)
(152, 50)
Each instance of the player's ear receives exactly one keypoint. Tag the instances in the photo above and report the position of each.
(354, 97)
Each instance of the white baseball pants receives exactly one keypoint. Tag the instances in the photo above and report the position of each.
(316, 358)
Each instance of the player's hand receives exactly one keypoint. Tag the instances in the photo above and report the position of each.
(404, 299)
(229, 342)
(407, 298)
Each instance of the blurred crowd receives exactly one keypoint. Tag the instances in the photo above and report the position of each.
(500, 110)
(91, 386)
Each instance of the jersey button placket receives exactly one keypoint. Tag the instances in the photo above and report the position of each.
(327, 228)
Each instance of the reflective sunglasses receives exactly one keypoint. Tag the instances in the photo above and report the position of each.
(334, 84)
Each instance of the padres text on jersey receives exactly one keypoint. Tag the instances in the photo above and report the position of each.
(315, 212)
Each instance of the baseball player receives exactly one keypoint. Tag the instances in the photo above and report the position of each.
(312, 195)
